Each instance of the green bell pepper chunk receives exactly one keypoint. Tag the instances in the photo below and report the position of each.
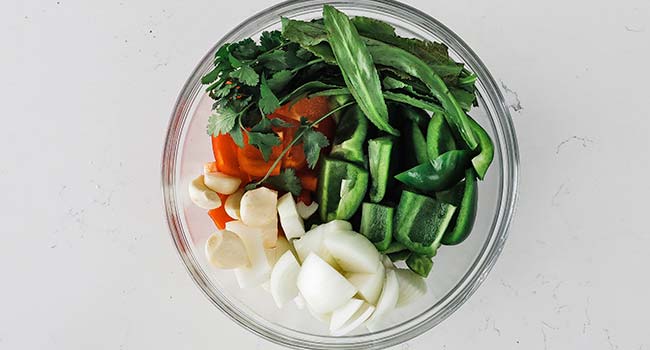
(421, 221)
(350, 136)
(482, 161)
(439, 174)
(380, 152)
(377, 224)
(420, 264)
(341, 189)
(463, 220)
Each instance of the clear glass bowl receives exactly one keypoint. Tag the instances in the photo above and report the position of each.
(458, 270)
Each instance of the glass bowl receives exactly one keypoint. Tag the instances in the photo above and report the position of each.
(458, 271)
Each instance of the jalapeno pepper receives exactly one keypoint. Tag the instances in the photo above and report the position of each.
(463, 220)
(482, 161)
(438, 174)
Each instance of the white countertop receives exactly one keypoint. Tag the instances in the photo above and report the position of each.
(86, 259)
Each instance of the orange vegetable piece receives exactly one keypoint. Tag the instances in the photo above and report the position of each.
(219, 215)
(310, 108)
(252, 162)
(308, 179)
(225, 155)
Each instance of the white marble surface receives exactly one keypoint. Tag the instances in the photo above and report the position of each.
(85, 257)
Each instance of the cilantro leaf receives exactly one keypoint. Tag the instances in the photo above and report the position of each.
(268, 101)
(313, 141)
(245, 50)
(221, 121)
(279, 80)
(286, 181)
(246, 75)
(271, 40)
(237, 136)
(264, 142)
(274, 60)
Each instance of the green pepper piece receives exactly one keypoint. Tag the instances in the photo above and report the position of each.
(380, 165)
(439, 174)
(439, 137)
(482, 161)
(394, 247)
(377, 224)
(421, 221)
(341, 189)
(420, 264)
(463, 220)
(350, 136)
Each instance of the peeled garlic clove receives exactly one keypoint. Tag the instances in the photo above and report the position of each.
(258, 207)
(232, 204)
(221, 183)
(226, 250)
(202, 196)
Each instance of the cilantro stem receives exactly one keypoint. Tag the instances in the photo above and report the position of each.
(297, 138)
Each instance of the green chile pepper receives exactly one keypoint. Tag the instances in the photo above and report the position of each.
(463, 220)
(438, 174)
(482, 161)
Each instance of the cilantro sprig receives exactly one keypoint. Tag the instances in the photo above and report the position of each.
(313, 141)
(245, 82)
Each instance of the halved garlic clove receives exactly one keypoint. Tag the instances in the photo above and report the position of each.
(291, 223)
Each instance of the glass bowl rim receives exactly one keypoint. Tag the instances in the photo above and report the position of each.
(469, 283)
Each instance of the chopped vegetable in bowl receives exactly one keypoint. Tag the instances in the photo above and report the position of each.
(343, 157)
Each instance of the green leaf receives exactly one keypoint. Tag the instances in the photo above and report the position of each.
(237, 136)
(313, 141)
(286, 181)
(395, 57)
(271, 40)
(279, 80)
(264, 142)
(246, 75)
(221, 121)
(268, 102)
(245, 50)
(465, 99)
(311, 36)
(357, 66)
(266, 125)
(412, 101)
(275, 60)
(304, 33)
(433, 53)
